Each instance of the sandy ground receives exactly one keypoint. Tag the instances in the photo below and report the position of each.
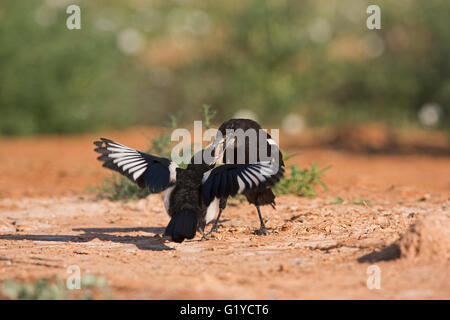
(316, 249)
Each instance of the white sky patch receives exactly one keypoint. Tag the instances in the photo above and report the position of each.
(130, 41)
(319, 30)
(429, 114)
(293, 124)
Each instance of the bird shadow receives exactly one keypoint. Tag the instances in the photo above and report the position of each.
(391, 252)
(153, 243)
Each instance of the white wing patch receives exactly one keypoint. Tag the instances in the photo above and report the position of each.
(127, 159)
(241, 184)
(248, 179)
(212, 209)
(167, 198)
(206, 175)
(252, 176)
(131, 165)
(138, 173)
(173, 171)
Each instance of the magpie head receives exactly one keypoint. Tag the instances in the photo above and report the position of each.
(220, 144)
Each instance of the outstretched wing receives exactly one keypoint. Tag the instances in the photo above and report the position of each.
(145, 170)
(231, 179)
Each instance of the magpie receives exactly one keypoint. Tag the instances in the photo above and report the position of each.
(192, 194)
(262, 195)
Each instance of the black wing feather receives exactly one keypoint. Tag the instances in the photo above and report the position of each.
(216, 188)
(230, 179)
(224, 185)
(206, 188)
(143, 169)
(234, 184)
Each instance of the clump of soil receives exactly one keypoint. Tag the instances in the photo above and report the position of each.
(428, 238)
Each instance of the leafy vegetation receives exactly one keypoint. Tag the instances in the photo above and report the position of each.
(135, 62)
(301, 182)
(54, 289)
(117, 188)
(338, 200)
(362, 202)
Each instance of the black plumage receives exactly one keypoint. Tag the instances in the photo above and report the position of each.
(192, 194)
(262, 194)
(120, 158)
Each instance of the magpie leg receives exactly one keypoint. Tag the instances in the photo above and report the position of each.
(204, 235)
(214, 227)
(262, 229)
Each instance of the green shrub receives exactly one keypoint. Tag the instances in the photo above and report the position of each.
(262, 56)
(301, 182)
(53, 289)
(53, 80)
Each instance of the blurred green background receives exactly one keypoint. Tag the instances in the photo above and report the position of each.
(136, 62)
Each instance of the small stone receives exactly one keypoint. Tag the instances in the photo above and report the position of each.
(286, 226)
(383, 222)
(78, 251)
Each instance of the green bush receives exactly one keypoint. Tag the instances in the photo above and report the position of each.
(273, 57)
(301, 182)
(54, 289)
(53, 80)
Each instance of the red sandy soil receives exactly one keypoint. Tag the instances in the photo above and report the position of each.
(316, 249)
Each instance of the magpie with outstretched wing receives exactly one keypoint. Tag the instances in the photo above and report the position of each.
(232, 179)
(182, 200)
(248, 179)
(157, 174)
(194, 194)
(262, 194)
(147, 171)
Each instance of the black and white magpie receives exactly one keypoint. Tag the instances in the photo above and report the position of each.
(262, 195)
(192, 194)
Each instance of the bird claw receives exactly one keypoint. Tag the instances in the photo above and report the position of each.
(214, 229)
(262, 232)
(205, 236)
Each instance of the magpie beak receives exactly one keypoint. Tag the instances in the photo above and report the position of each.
(218, 146)
(194, 193)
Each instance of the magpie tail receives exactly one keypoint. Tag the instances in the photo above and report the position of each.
(183, 225)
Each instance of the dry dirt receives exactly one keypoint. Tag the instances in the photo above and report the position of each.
(316, 249)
